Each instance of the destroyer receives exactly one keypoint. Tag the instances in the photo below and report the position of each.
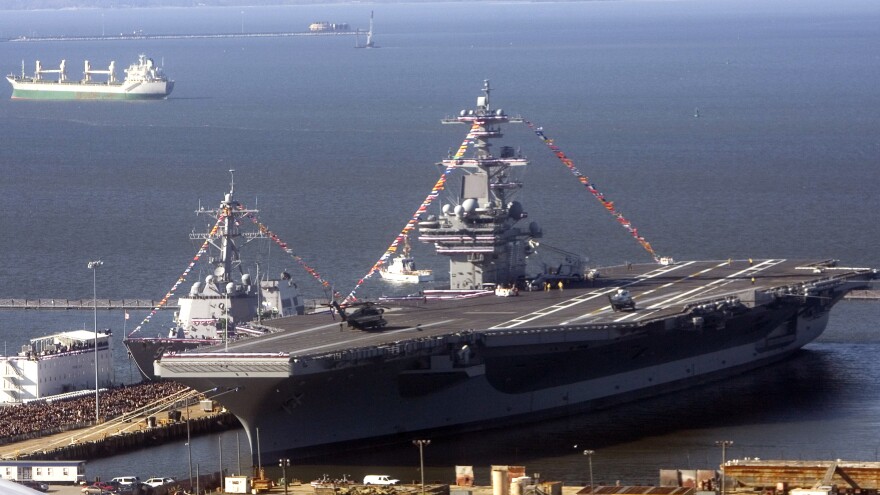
(224, 307)
(143, 81)
(549, 352)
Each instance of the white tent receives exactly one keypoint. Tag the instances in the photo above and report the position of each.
(12, 488)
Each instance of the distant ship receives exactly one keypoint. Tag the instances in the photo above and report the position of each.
(464, 359)
(143, 81)
(229, 304)
(329, 27)
(403, 268)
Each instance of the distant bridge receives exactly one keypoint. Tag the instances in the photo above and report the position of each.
(89, 304)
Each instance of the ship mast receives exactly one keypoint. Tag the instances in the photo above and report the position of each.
(224, 238)
(476, 228)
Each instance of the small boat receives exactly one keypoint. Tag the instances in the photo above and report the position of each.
(403, 269)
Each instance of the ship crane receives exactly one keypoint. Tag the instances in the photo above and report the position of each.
(110, 72)
(61, 71)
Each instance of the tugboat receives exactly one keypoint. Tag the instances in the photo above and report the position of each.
(223, 308)
(403, 268)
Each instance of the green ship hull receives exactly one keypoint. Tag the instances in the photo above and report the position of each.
(25, 94)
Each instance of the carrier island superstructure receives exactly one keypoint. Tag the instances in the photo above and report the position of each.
(440, 363)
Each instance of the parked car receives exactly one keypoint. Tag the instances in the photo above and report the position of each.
(100, 488)
(159, 481)
(126, 480)
(379, 479)
(36, 485)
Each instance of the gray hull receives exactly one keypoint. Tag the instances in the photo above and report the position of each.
(472, 379)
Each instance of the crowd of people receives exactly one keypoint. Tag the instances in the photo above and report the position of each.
(23, 421)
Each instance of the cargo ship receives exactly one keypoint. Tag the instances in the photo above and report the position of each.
(144, 80)
(496, 348)
(229, 304)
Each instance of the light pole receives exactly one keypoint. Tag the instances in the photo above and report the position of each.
(220, 448)
(238, 452)
(283, 463)
(589, 454)
(93, 266)
(421, 445)
(723, 444)
(189, 443)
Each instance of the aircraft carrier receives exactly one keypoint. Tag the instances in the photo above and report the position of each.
(502, 345)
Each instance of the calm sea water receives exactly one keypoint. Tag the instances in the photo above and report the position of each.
(336, 146)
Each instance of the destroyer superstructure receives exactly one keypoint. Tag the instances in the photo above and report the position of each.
(464, 358)
(224, 306)
(144, 80)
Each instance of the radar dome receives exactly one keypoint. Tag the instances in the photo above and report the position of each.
(459, 210)
(447, 209)
(209, 280)
(195, 289)
(230, 288)
(515, 210)
(535, 229)
(469, 205)
(246, 279)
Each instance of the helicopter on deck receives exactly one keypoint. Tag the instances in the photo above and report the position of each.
(366, 316)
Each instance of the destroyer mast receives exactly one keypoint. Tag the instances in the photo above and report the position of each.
(477, 225)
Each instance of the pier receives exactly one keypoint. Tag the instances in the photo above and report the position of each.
(88, 304)
(179, 36)
(864, 294)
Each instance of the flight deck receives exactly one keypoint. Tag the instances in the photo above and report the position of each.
(660, 291)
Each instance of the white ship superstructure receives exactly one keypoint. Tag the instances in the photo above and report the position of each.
(57, 364)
